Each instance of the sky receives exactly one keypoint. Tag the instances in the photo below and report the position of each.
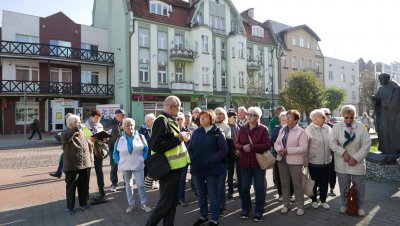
(349, 29)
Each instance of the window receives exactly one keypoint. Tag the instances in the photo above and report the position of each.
(223, 50)
(302, 63)
(249, 54)
(22, 73)
(257, 31)
(159, 8)
(155, 108)
(309, 45)
(223, 79)
(234, 82)
(60, 75)
(342, 77)
(90, 77)
(284, 60)
(217, 22)
(32, 111)
(301, 41)
(27, 39)
(162, 58)
(330, 75)
(233, 52)
(241, 79)
(89, 51)
(205, 76)
(162, 74)
(143, 37)
(353, 78)
(317, 66)
(144, 73)
(294, 63)
(261, 56)
(310, 64)
(179, 76)
(241, 50)
(293, 41)
(162, 40)
(179, 39)
(60, 48)
(204, 44)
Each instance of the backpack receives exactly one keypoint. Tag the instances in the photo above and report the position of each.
(352, 201)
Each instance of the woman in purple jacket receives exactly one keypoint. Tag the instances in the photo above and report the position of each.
(250, 169)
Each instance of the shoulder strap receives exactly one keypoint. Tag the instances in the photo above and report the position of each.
(168, 122)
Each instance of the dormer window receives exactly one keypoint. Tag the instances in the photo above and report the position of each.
(257, 31)
(160, 8)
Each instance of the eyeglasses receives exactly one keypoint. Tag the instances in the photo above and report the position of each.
(323, 117)
(179, 119)
(348, 117)
(327, 114)
(252, 115)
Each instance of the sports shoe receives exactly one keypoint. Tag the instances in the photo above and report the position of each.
(130, 208)
(71, 211)
(332, 193)
(258, 217)
(279, 197)
(343, 209)
(244, 215)
(292, 199)
(326, 206)
(146, 208)
(300, 212)
(182, 203)
(113, 188)
(284, 210)
(212, 223)
(314, 205)
(361, 212)
(88, 207)
(200, 222)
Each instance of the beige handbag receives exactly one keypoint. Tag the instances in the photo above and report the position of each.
(307, 182)
(266, 160)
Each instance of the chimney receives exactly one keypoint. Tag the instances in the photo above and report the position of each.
(250, 13)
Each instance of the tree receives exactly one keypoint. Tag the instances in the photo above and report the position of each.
(303, 92)
(367, 89)
(254, 90)
(334, 97)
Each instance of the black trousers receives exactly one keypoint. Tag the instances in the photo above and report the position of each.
(239, 175)
(98, 166)
(231, 171)
(278, 181)
(332, 173)
(321, 177)
(169, 199)
(77, 179)
(33, 134)
(114, 170)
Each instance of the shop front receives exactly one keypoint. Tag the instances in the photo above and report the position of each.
(59, 108)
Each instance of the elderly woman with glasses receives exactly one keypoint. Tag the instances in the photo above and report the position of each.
(350, 142)
(319, 155)
(291, 146)
(253, 138)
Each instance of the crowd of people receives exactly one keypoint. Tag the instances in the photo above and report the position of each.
(218, 148)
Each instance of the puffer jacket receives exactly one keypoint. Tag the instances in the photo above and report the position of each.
(318, 152)
(77, 150)
(297, 145)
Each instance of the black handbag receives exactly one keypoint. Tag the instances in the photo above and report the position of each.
(157, 166)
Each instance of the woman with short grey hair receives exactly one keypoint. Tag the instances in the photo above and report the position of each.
(350, 142)
(319, 155)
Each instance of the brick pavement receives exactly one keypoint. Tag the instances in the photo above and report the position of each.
(29, 196)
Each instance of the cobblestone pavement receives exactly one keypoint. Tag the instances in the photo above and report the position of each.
(29, 196)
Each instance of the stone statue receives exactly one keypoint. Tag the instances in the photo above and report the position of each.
(387, 109)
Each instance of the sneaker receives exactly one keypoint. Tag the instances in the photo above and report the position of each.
(146, 208)
(332, 193)
(200, 222)
(113, 188)
(58, 175)
(326, 206)
(314, 205)
(300, 212)
(284, 210)
(182, 203)
(88, 207)
(361, 212)
(244, 215)
(343, 209)
(292, 199)
(71, 211)
(258, 217)
(130, 208)
(212, 223)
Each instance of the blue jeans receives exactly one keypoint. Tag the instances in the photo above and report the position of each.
(222, 188)
(258, 176)
(207, 185)
(139, 178)
(182, 183)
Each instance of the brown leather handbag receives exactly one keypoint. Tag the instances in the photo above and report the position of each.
(352, 201)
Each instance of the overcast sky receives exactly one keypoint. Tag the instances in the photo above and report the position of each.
(349, 29)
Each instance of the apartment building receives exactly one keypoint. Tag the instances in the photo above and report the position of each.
(51, 66)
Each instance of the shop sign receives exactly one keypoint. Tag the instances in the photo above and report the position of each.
(64, 102)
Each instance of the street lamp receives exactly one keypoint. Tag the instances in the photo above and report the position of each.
(279, 53)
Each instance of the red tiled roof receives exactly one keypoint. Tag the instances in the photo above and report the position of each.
(178, 17)
(248, 23)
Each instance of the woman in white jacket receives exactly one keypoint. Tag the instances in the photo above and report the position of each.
(319, 156)
(350, 142)
(128, 154)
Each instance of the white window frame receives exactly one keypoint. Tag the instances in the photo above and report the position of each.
(241, 79)
(257, 31)
(204, 44)
(294, 62)
(159, 8)
(162, 42)
(302, 62)
(32, 111)
(144, 37)
(179, 40)
(342, 77)
(285, 61)
(293, 41)
(223, 79)
(205, 76)
(30, 70)
(144, 73)
(301, 42)
(179, 73)
(87, 77)
(310, 64)
(330, 75)
(162, 74)
(241, 50)
(60, 45)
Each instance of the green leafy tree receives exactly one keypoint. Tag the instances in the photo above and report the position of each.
(303, 92)
(334, 98)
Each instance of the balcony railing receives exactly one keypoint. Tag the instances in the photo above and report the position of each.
(64, 88)
(45, 50)
(182, 86)
(187, 55)
(253, 65)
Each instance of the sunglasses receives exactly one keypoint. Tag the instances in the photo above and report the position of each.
(252, 115)
(348, 117)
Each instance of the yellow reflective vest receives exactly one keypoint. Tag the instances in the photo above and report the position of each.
(178, 157)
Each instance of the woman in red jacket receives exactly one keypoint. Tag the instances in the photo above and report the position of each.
(252, 138)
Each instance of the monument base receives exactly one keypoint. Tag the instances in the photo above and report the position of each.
(381, 167)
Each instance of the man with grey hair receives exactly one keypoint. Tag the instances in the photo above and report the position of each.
(196, 115)
(242, 113)
(166, 139)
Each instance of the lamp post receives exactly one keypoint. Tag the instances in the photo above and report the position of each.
(279, 53)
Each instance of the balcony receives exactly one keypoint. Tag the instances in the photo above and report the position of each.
(40, 51)
(186, 55)
(253, 65)
(55, 88)
(182, 86)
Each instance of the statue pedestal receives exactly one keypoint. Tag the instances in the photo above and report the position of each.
(382, 167)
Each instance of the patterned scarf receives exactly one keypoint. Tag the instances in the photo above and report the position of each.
(349, 136)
